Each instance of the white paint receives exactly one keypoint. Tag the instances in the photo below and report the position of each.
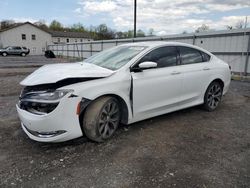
(54, 73)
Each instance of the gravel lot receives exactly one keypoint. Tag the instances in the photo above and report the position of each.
(188, 148)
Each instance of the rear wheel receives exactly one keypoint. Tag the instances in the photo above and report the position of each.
(4, 54)
(213, 96)
(23, 54)
(102, 119)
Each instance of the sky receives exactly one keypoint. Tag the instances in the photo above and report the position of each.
(163, 16)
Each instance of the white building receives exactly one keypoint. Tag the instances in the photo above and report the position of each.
(36, 39)
(62, 37)
(28, 35)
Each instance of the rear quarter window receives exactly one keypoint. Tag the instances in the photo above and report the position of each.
(191, 55)
(205, 57)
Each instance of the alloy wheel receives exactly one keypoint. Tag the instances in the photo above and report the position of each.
(214, 96)
(108, 119)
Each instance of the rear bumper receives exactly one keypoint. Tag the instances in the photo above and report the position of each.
(60, 125)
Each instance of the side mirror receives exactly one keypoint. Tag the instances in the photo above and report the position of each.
(147, 65)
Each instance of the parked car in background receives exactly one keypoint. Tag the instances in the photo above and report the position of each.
(124, 84)
(14, 50)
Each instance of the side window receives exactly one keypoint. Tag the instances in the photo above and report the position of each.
(189, 55)
(33, 37)
(23, 37)
(205, 57)
(17, 48)
(163, 56)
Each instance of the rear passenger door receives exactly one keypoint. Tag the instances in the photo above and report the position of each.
(195, 67)
(17, 50)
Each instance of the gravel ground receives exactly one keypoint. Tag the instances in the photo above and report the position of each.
(188, 148)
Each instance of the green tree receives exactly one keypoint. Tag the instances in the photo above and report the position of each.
(103, 32)
(140, 33)
(239, 24)
(151, 32)
(119, 35)
(202, 28)
(56, 26)
(41, 24)
(78, 27)
(4, 24)
(128, 34)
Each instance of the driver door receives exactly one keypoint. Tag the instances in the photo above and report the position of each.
(157, 90)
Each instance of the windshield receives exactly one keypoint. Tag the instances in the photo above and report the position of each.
(115, 58)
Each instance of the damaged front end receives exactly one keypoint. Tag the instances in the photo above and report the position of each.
(49, 111)
(41, 102)
(43, 99)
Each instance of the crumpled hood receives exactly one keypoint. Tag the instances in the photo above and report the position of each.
(53, 73)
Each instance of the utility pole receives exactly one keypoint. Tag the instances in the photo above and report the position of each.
(245, 22)
(134, 18)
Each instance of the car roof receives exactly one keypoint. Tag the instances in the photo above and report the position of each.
(156, 43)
(153, 44)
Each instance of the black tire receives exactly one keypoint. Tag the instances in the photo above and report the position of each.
(213, 96)
(4, 54)
(23, 54)
(101, 119)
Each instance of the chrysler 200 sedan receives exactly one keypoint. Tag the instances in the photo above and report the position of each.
(124, 84)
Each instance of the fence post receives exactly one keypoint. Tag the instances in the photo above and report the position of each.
(247, 55)
(194, 37)
(74, 50)
(90, 49)
(63, 50)
(77, 50)
(81, 51)
(67, 51)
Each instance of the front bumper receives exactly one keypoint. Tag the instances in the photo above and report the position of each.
(60, 125)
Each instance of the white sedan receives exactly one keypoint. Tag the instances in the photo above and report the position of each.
(124, 84)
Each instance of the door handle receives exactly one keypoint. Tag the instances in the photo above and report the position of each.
(206, 68)
(175, 72)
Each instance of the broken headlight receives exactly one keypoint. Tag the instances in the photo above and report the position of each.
(41, 102)
(46, 96)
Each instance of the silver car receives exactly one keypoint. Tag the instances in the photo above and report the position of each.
(14, 50)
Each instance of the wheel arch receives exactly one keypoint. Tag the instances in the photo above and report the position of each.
(220, 81)
(123, 106)
(122, 103)
(205, 103)
(216, 79)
